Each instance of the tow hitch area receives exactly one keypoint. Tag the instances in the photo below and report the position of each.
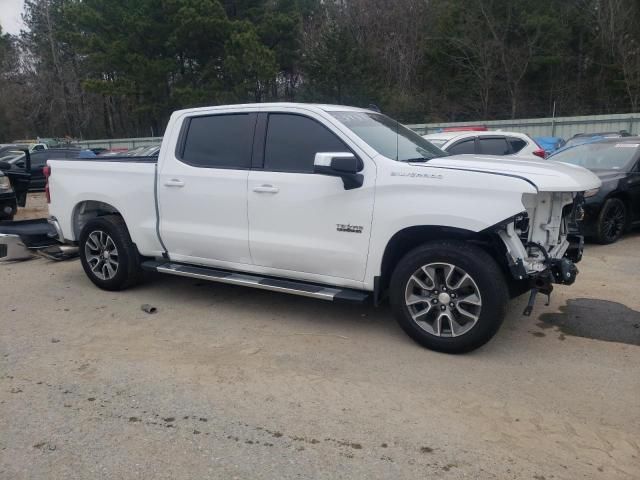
(21, 240)
(562, 271)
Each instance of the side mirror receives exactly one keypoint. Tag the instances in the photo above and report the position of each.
(340, 164)
(5, 166)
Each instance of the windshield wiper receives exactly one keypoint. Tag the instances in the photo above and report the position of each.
(418, 159)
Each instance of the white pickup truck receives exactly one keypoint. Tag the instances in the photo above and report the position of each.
(331, 202)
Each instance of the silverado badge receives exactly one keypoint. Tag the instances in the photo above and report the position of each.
(349, 228)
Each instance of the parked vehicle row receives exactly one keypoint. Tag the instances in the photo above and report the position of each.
(616, 207)
(330, 202)
(16, 161)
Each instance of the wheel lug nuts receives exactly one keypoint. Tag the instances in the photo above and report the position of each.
(451, 305)
(435, 292)
(443, 308)
(453, 295)
(444, 289)
(435, 301)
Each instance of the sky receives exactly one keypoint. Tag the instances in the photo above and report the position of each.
(10, 11)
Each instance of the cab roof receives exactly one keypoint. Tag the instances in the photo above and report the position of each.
(319, 106)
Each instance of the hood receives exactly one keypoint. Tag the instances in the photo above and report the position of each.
(546, 175)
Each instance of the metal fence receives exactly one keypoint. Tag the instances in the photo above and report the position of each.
(564, 127)
(120, 143)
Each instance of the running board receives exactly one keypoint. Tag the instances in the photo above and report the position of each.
(294, 287)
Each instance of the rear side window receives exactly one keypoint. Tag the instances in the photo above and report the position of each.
(465, 146)
(219, 141)
(494, 146)
(293, 141)
(517, 144)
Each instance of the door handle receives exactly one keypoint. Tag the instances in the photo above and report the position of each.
(174, 182)
(266, 189)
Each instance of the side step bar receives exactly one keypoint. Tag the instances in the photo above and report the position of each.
(294, 287)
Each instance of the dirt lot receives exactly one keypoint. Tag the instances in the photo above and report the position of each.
(225, 382)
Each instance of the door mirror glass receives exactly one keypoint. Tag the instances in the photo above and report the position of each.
(340, 164)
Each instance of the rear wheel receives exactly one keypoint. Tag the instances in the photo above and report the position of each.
(612, 221)
(108, 255)
(449, 296)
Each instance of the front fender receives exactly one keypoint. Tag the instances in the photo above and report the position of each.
(462, 200)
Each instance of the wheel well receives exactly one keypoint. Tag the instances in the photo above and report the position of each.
(624, 196)
(87, 210)
(406, 240)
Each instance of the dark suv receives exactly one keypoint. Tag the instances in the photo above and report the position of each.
(39, 160)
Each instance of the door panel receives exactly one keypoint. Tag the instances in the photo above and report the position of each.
(302, 226)
(203, 194)
(304, 222)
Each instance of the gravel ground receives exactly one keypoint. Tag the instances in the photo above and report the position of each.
(226, 382)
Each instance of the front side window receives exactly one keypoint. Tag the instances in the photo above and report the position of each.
(388, 137)
(465, 146)
(219, 141)
(293, 141)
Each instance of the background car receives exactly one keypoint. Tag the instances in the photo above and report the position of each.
(38, 161)
(471, 140)
(580, 138)
(7, 198)
(616, 206)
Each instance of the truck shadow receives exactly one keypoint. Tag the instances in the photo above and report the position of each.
(249, 302)
(596, 319)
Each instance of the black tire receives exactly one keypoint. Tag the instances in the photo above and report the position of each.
(128, 271)
(486, 276)
(612, 221)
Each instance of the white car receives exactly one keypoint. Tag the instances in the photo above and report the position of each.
(511, 144)
(329, 202)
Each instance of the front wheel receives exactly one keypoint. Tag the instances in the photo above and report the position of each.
(449, 296)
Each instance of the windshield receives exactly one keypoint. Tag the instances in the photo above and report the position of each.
(388, 137)
(438, 142)
(599, 156)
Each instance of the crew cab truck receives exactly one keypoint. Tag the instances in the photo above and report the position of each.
(330, 202)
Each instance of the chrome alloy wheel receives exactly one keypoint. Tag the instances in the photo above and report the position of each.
(443, 300)
(101, 254)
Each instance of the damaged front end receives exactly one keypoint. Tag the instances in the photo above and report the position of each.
(543, 243)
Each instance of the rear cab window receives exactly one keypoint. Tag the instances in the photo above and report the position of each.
(218, 141)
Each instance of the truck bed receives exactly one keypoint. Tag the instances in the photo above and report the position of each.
(122, 184)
